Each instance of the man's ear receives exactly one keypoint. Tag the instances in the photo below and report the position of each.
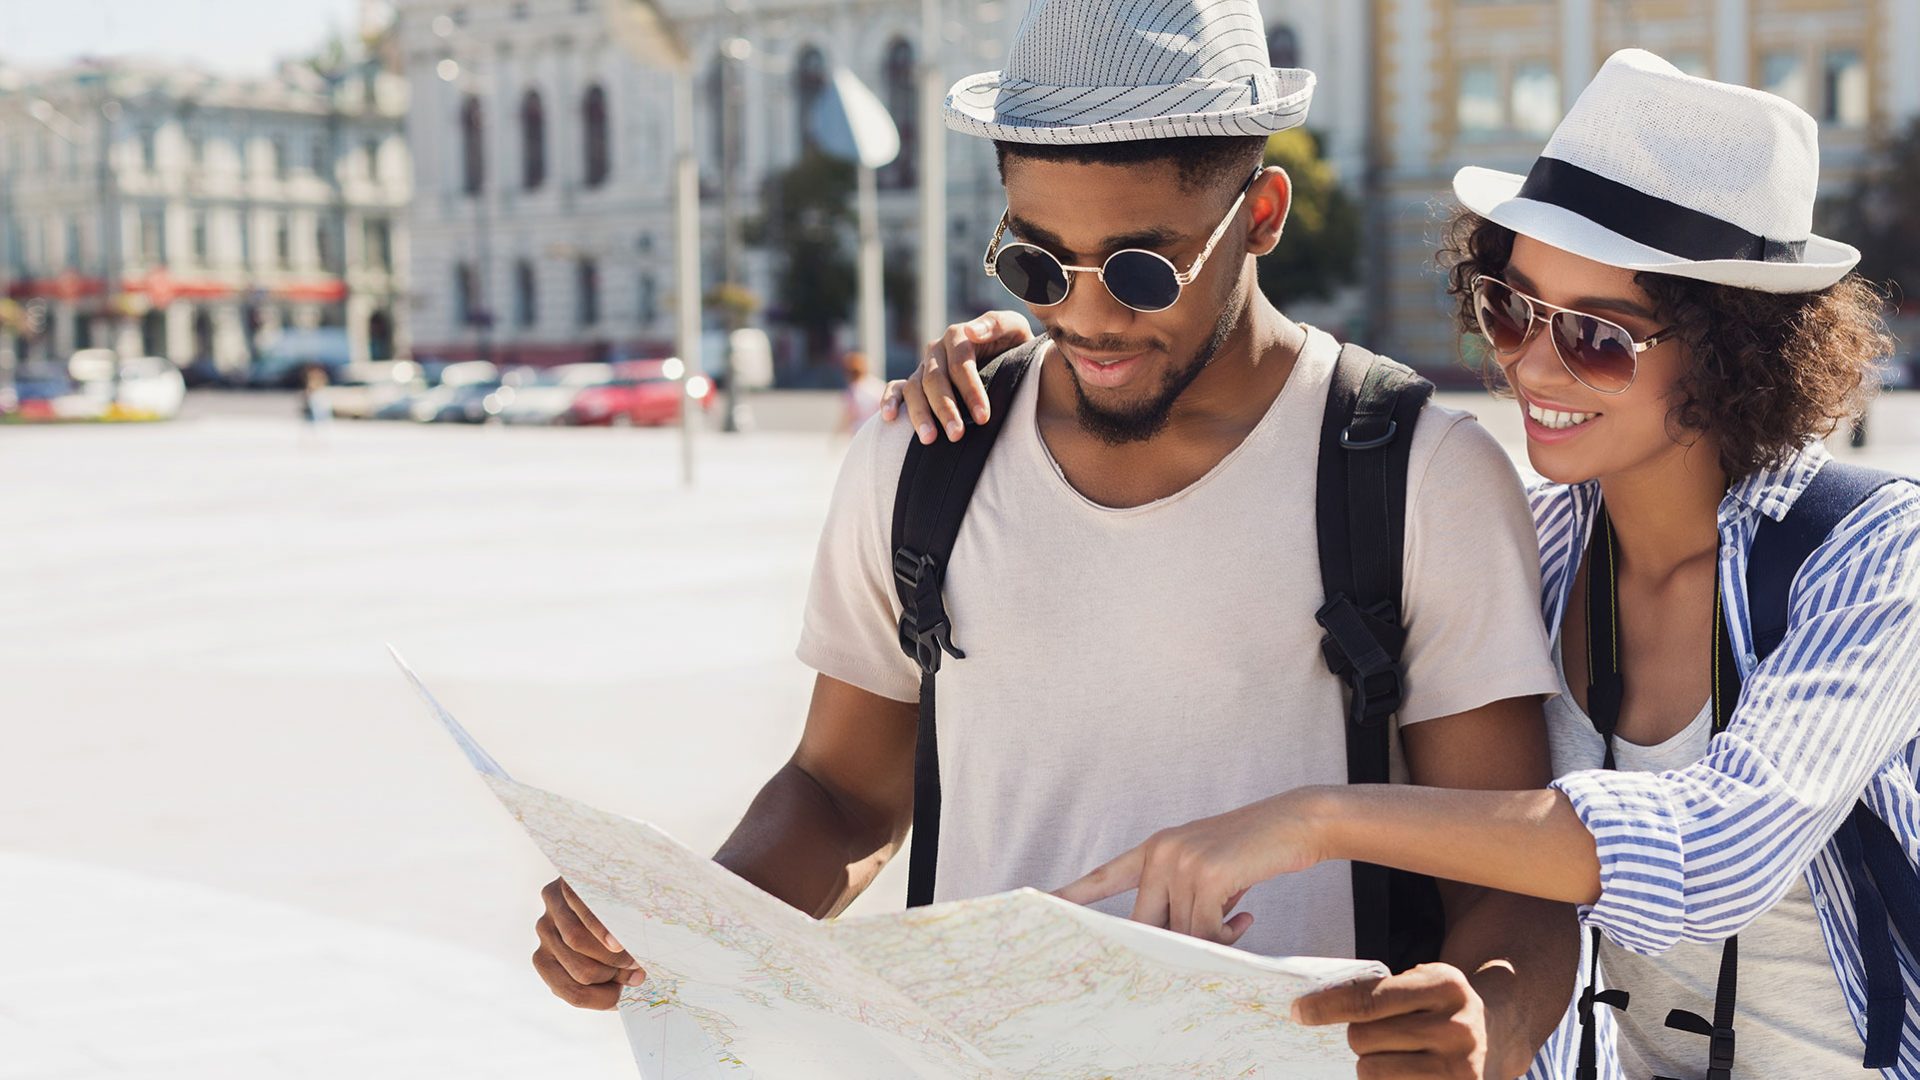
(1271, 198)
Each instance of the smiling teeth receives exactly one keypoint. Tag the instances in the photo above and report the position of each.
(1554, 420)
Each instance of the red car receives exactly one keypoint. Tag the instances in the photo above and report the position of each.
(640, 393)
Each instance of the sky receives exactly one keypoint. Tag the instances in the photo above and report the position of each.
(235, 36)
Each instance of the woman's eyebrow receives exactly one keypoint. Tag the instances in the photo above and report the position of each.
(1586, 303)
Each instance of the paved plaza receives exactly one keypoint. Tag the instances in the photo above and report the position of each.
(234, 845)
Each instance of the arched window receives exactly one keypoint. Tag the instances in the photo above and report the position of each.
(473, 156)
(526, 297)
(586, 275)
(1283, 47)
(533, 141)
(809, 82)
(593, 124)
(903, 101)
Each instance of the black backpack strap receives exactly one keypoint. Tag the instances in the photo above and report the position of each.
(1366, 437)
(936, 482)
(1886, 896)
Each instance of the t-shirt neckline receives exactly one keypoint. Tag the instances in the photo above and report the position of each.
(1312, 360)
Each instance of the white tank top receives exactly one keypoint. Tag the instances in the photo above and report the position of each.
(1790, 1017)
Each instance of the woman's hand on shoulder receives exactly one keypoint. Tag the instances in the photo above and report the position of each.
(950, 375)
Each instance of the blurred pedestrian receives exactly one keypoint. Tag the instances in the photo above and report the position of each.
(861, 398)
(314, 407)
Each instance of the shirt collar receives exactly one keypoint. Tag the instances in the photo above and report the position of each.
(1772, 492)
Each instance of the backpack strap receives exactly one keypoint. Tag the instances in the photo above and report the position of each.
(936, 482)
(1366, 437)
(1886, 895)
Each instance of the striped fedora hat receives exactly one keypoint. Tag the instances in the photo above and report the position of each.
(1096, 71)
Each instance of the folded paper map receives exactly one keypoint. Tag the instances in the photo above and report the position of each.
(1022, 984)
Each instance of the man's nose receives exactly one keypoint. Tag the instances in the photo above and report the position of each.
(1090, 313)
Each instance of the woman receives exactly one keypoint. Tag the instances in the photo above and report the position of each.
(1678, 341)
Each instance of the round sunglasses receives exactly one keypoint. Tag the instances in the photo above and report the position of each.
(1145, 281)
(1598, 352)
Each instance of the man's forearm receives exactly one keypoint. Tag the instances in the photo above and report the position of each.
(805, 846)
(1522, 956)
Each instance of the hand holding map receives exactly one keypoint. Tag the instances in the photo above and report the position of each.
(1021, 984)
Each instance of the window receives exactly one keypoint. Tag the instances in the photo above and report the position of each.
(903, 101)
(809, 82)
(322, 157)
(149, 148)
(1283, 47)
(323, 244)
(1845, 98)
(649, 306)
(593, 125)
(379, 245)
(1785, 74)
(472, 147)
(371, 151)
(533, 141)
(1477, 109)
(196, 149)
(586, 275)
(520, 9)
(526, 298)
(246, 240)
(200, 237)
(1693, 63)
(153, 236)
(279, 158)
(282, 242)
(1535, 99)
(465, 306)
(75, 256)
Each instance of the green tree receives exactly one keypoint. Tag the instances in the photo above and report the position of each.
(810, 217)
(1320, 249)
(1883, 217)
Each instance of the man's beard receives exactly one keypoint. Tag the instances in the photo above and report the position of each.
(1142, 421)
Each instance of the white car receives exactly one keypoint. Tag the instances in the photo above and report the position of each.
(149, 387)
(546, 399)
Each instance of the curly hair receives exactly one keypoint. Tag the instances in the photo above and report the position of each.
(1767, 373)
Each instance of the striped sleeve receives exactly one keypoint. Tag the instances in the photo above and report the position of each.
(1696, 854)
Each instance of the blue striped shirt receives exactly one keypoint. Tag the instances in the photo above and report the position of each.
(1832, 716)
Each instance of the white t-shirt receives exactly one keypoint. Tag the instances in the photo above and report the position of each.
(1789, 1014)
(1133, 669)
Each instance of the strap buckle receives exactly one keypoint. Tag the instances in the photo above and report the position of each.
(1353, 650)
(1351, 439)
(925, 632)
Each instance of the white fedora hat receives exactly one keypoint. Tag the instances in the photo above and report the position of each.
(1096, 71)
(1654, 169)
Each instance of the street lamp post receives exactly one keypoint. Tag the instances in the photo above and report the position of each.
(645, 29)
(933, 176)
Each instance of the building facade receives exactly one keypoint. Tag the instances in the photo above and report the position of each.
(168, 212)
(1484, 82)
(543, 226)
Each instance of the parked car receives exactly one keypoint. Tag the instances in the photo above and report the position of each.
(133, 388)
(283, 363)
(547, 399)
(465, 403)
(642, 394)
(44, 392)
(1897, 372)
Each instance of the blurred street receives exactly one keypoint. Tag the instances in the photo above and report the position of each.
(236, 846)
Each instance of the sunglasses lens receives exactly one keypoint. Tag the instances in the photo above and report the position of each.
(1031, 274)
(1504, 314)
(1141, 280)
(1598, 353)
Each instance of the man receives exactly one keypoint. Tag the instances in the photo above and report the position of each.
(1135, 581)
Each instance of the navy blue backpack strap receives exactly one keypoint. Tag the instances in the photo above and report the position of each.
(929, 506)
(1886, 895)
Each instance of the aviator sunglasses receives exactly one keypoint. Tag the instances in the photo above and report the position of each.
(1601, 354)
(1143, 280)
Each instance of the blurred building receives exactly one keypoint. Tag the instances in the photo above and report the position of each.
(170, 212)
(543, 223)
(1458, 82)
(543, 154)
